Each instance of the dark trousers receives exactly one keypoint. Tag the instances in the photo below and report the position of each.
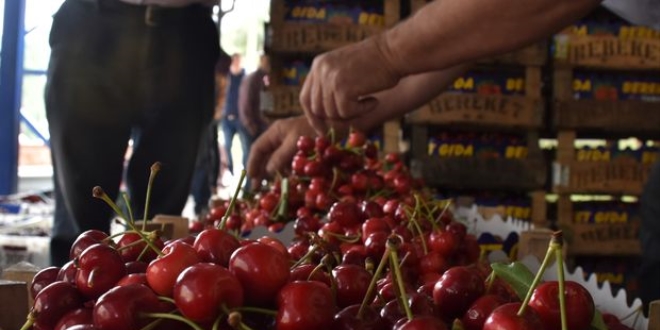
(231, 127)
(117, 72)
(207, 170)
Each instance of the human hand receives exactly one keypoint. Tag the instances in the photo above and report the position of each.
(340, 82)
(274, 149)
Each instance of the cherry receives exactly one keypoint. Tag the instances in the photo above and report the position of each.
(135, 278)
(133, 267)
(99, 268)
(202, 288)
(308, 272)
(476, 315)
(347, 319)
(68, 272)
(580, 307)
(433, 262)
(53, 302)
(77, 316)
(86, 239)
(456, 290)
(345, 213)
(305, 305)
(163, 271)
(356, 255)
(131, 247)
(505, 317)
(443, 242)
(375, 244)
(268, 202)
(425, 322)
(261, 270)
(356, 139)
(373, 225)
(216, 246)
(42, 279)
(352, 282)
(360, 183)
(305, 144)
(122, 307)
(392, 312)
(274, 243)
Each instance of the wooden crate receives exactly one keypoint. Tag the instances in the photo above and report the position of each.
(295, 37)
(597, 239)
(537, 212)
(285, 101)
(621, 117)
(614, 177)
(606, 52)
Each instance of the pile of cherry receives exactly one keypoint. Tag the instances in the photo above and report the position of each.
(373, 250)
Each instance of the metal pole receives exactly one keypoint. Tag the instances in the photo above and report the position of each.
(11, 79)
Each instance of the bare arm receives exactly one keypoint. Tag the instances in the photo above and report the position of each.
(442, 34)
(448, 32)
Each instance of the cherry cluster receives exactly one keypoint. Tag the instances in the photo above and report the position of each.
(373, 250)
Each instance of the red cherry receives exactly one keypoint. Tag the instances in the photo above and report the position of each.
(85, 240)
(216, 246)
(476, 315)
(133, 267)
(346, 319)
(505, 317)
(53, 302)
(131, 247)
(456, 290)
(122, 307)
(433, 262)
(135, 278)
(42, 279)
(352, 282)
(163, 271)
(68, 272)
(304, 305)
(373, 225)
(425, 322)
(99, 268)
(261, 270)
(305, 144)
(77, 316)
(321, 143)
(202, 288)
(444, 243)
(580, 307)
(307, 272)
(356, 139)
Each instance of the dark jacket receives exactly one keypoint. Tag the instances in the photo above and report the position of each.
(249, 102)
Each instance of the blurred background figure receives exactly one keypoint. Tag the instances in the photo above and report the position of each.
(230, 123)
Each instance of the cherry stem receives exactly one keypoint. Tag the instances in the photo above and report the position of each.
(556, 246)
(232, 202)
(127, 201)
(392, 244)
(166, 299)
(537, 279)
(98, 192)
(172, 317)
(249, 309)
(489, 281)
(374, 280)
(282, 209)
(152, 325)
(444, 210)
(29, 322)
(155, 168)
(235, 319)
(304, 258)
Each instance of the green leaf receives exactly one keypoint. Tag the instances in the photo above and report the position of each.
(516, 274)
(597, 322)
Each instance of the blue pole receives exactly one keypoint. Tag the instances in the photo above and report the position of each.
(11, 79)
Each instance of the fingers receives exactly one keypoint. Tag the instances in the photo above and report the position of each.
(307, 100)
(261, 150)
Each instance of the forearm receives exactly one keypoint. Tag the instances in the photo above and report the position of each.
(411, 93)
(448, 32)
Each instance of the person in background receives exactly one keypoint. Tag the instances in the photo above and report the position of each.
(231, 124)
(385, 76)
(122, 70)
(207, 170)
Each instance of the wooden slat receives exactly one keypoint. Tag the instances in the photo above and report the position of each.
(620, 116)
(477, 173)
(391, 136)
(603, 239)
(490, 110)
(616, 177)
(392, 12)
(610, 52)
(654, 315)
(13, 304)
(313, 38)
(539, 209)
(285, 101)
(535, 55)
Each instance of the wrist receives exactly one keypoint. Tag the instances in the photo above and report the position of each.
(391, 58)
